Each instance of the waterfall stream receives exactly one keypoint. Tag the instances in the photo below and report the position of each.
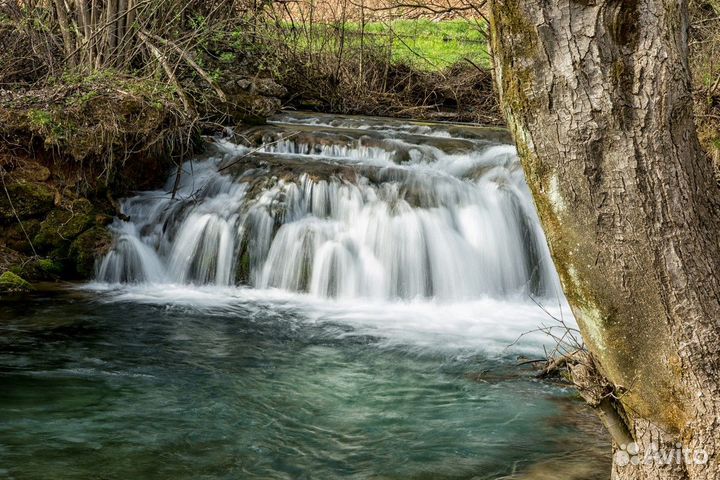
(343, 207)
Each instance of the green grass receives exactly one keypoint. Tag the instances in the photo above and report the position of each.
(434, 45)
(425, 44)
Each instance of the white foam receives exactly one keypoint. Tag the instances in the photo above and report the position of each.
(495, 327)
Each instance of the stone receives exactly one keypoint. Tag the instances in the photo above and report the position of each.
(10, 282)
(252, 100)
(29, 199)
(31, 171)
(15, 238)
(62, 226)
(87, 248)
(10, 258)
(38, 269)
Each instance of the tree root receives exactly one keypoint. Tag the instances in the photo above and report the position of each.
(580, 369)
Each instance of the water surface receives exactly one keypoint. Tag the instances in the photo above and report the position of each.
(95, 385)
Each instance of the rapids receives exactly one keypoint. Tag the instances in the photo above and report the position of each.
(343, 207)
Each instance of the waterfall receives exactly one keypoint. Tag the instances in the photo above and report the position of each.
(342, 207)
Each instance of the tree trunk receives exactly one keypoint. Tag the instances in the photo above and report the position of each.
(597, 94)
(64, 25)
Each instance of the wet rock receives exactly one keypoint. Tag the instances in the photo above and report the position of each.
(252, 108)
(10, 282)
(29, 199)
(401, 146)
(262, 171)
(243, 271)
(87, 248)
(104, 220)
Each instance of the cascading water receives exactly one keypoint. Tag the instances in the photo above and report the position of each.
(348, 208)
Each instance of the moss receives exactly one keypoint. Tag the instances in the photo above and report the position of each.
(87, 248)
(94, 118)
(511, 26)
(62, 226)
(38, 269)
(10, 282)
(40, 119)
(53, 125)
(29, 199)
(516, 24)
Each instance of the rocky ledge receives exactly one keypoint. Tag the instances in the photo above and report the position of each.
(46, 231)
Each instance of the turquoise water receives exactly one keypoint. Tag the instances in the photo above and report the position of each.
(102, 384)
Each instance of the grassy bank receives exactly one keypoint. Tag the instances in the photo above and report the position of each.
(427, 45)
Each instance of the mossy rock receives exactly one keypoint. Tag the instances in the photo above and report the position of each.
(10, 258)
(87, 248)
(39, 269)
(242, 275)
(29, 199)
(10, 282)
(62, 226)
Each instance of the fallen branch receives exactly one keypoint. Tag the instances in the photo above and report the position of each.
(170, 73)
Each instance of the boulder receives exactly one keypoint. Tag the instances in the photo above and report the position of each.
(10, 282)
(29, 199)
(89, 246)
(37, 269)
(252, 100)
(16, 236)
(62, 226)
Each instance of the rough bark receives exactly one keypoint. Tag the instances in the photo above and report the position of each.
(597, 94)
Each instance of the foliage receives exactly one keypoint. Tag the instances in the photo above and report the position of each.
(340, 58)
(435, 45)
